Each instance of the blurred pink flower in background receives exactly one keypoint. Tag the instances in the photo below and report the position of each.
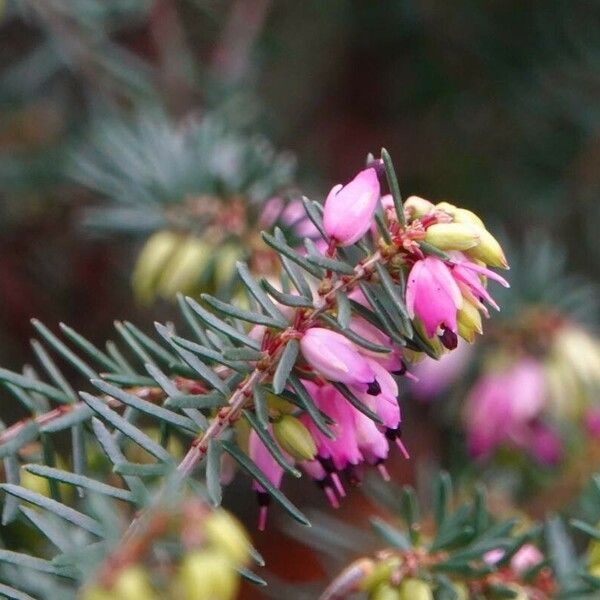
(434, 377)
(504, 407)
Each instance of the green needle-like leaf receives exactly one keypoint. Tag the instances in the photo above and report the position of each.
(121, 424)
(60, 510)
(393, 185)
(285, 365)
(244, 461)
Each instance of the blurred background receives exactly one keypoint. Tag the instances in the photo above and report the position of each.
(492, 105)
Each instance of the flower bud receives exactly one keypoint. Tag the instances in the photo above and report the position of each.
(132, 583)
(461, 591)
(462, 215)
(150, 264)
(385, 591)
(225, 533)
(452, 236)
(96, 593)
(294, 438)
(415, 589)
(206, 575)
(418, 206)
(469, 321)
(380, 573)
(447, 207)
(349, 209)
(185, 268)
(488, 250)
(225, 267)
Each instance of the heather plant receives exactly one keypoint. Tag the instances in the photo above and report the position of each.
(301, 379)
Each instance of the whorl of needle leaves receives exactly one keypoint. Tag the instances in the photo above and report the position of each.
(149, 167)
(446, 552)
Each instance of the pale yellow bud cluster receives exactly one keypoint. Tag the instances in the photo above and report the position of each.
(172, 262)
(410, 588)
(572, 370)
(464, 231)
(208, 570)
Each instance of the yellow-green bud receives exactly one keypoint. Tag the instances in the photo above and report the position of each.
(418, 206)
(415, 589)
(469, 321)
(381, 573)
(461, 591)
(132, 583)
(462, 215)
(225, 263)
(452, 236)
(294, 438)
(150, 263)
(595, 570)
(185, 268)
(96, 593)
(207, 575)
(225, 533)
(488, 250)
(521, 594)
(446, 207)
(385, 591)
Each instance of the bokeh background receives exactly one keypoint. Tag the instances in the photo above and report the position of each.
(494, 105)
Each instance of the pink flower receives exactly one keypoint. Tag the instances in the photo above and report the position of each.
(502, 407)
(545, 445)
(592, 422)
(267, 464)
(349, 208)
(466, 273)
(435, 376)
(527, 557)
(343, 449)
(336, 358)
(291, 215)
(433, 295)
(385, 404)
(392, 360)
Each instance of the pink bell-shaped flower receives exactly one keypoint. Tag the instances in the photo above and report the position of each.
(267, 464)
(433, 295)
(349, 208)
(336, 358)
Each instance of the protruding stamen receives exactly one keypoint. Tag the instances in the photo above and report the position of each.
(337, 482)
(333, 500)
(262, 518)
(383, 471)
(402, 447)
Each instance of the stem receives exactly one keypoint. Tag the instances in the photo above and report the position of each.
(241, 395)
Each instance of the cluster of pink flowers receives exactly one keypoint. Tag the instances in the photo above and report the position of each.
(356, 439)
(444, 296)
